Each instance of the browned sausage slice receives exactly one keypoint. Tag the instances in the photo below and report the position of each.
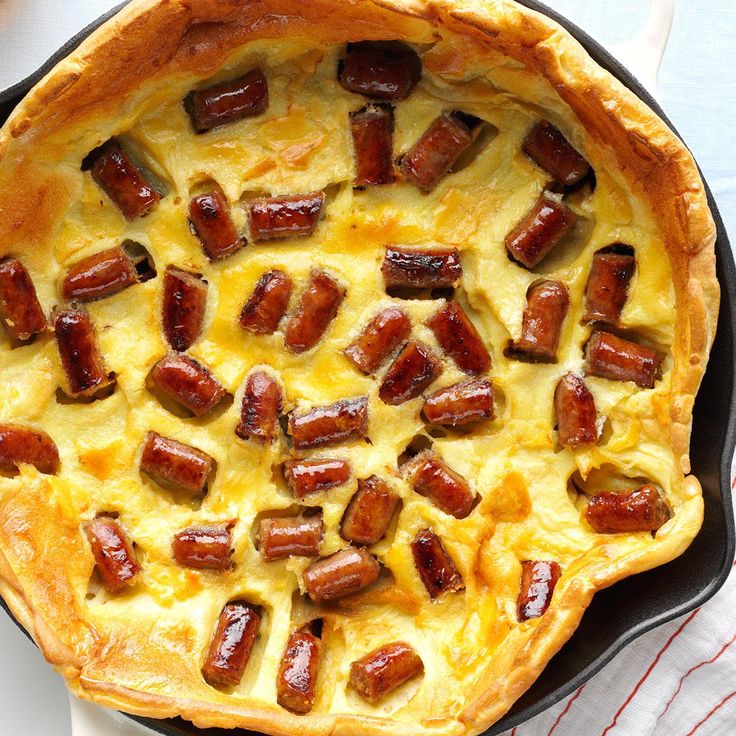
(228, 102)
(295, 216)
(27, 446)
(548, 221)
(383, 670)
(430, 476)
(281, 537)
(541, 325)
(209, 216)
(231, 645)
(372, 129)
(462, 403)
(433, 155)
(20, 309)
(309, 476)
(261, 408)
(421, 268)
(548, 148)
(113, 553)
(369, 512)
(85, 370)
(205, 547)
(176, 465)
(183, 307)
(297, 678)
(434, 565)
(386, 70)
(608, 283)
(329, 425)
(121, 179)
(538, 581)
(268, 303)
(460, 339)
(577, 419)
(613, 357)
(379, 338)
(414, 368)
(342, 573)
(641, 510)
(188, 382)
(316, 309)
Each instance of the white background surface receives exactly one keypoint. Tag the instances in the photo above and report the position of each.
(698, 91)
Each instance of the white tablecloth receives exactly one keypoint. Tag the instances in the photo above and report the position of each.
(675, 681)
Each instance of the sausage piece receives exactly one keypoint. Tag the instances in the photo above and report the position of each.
(538, 581)
(608, 283)
(267, 305)
(261, 408)
(231, 645)
(329, 425)
(613, 357)
(342, 573)
(421, 268)
(80, 358)
(204, 547)
(434, 154)
(188, 382)
(577, 419)
(547, 303)
(210, 219)
(20, 310)
(183, 307)
(430, 476)
(460, 404)
(369, 513)
(121, 180)
(378, 339)
(386, 70)
(285, 217)
(297, 678)
(414, 368)
(27, 446)
(372, 129)
(642, 510)
(434, 565)
(175, 465)
(548, 221)
(383, 670)
(114, 555)
(460, 339)
(309, 476)
(548, 148)
(228, 102)
(316, 309)
(282, 537)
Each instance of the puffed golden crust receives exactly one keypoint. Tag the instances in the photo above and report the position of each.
(136, 664)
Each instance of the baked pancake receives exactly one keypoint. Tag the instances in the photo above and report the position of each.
(350, 348)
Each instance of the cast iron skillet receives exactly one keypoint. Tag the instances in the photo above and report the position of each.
(639, 603)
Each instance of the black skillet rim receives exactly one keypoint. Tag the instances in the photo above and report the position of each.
(13, 95)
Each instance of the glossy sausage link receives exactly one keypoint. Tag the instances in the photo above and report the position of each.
(372, 129)
(268, 303)
(209, 216)
(386, 70)
(188, 383)
(231, 645)
(577, 419)
(369, 513)
(296, 683)
(183, 308)
(228, 102)
(541, 326)
(378, 339)
(460, 339)
(261, 408)
(343, 573)
(538, 581)
(434, 565)
(204, 547)
(548, 148)
(383, 670)
(176, 465)
(460, 404)
(310, 476)
(608, 283)
(641, 510)
(20, 310)
(282, 537)
(613, 357)
(329, 425)
(421, 268)
(26, 446)
(114, 555)
(414, 368)
(285, 217)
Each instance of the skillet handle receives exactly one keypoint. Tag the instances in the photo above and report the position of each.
(643, 53)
